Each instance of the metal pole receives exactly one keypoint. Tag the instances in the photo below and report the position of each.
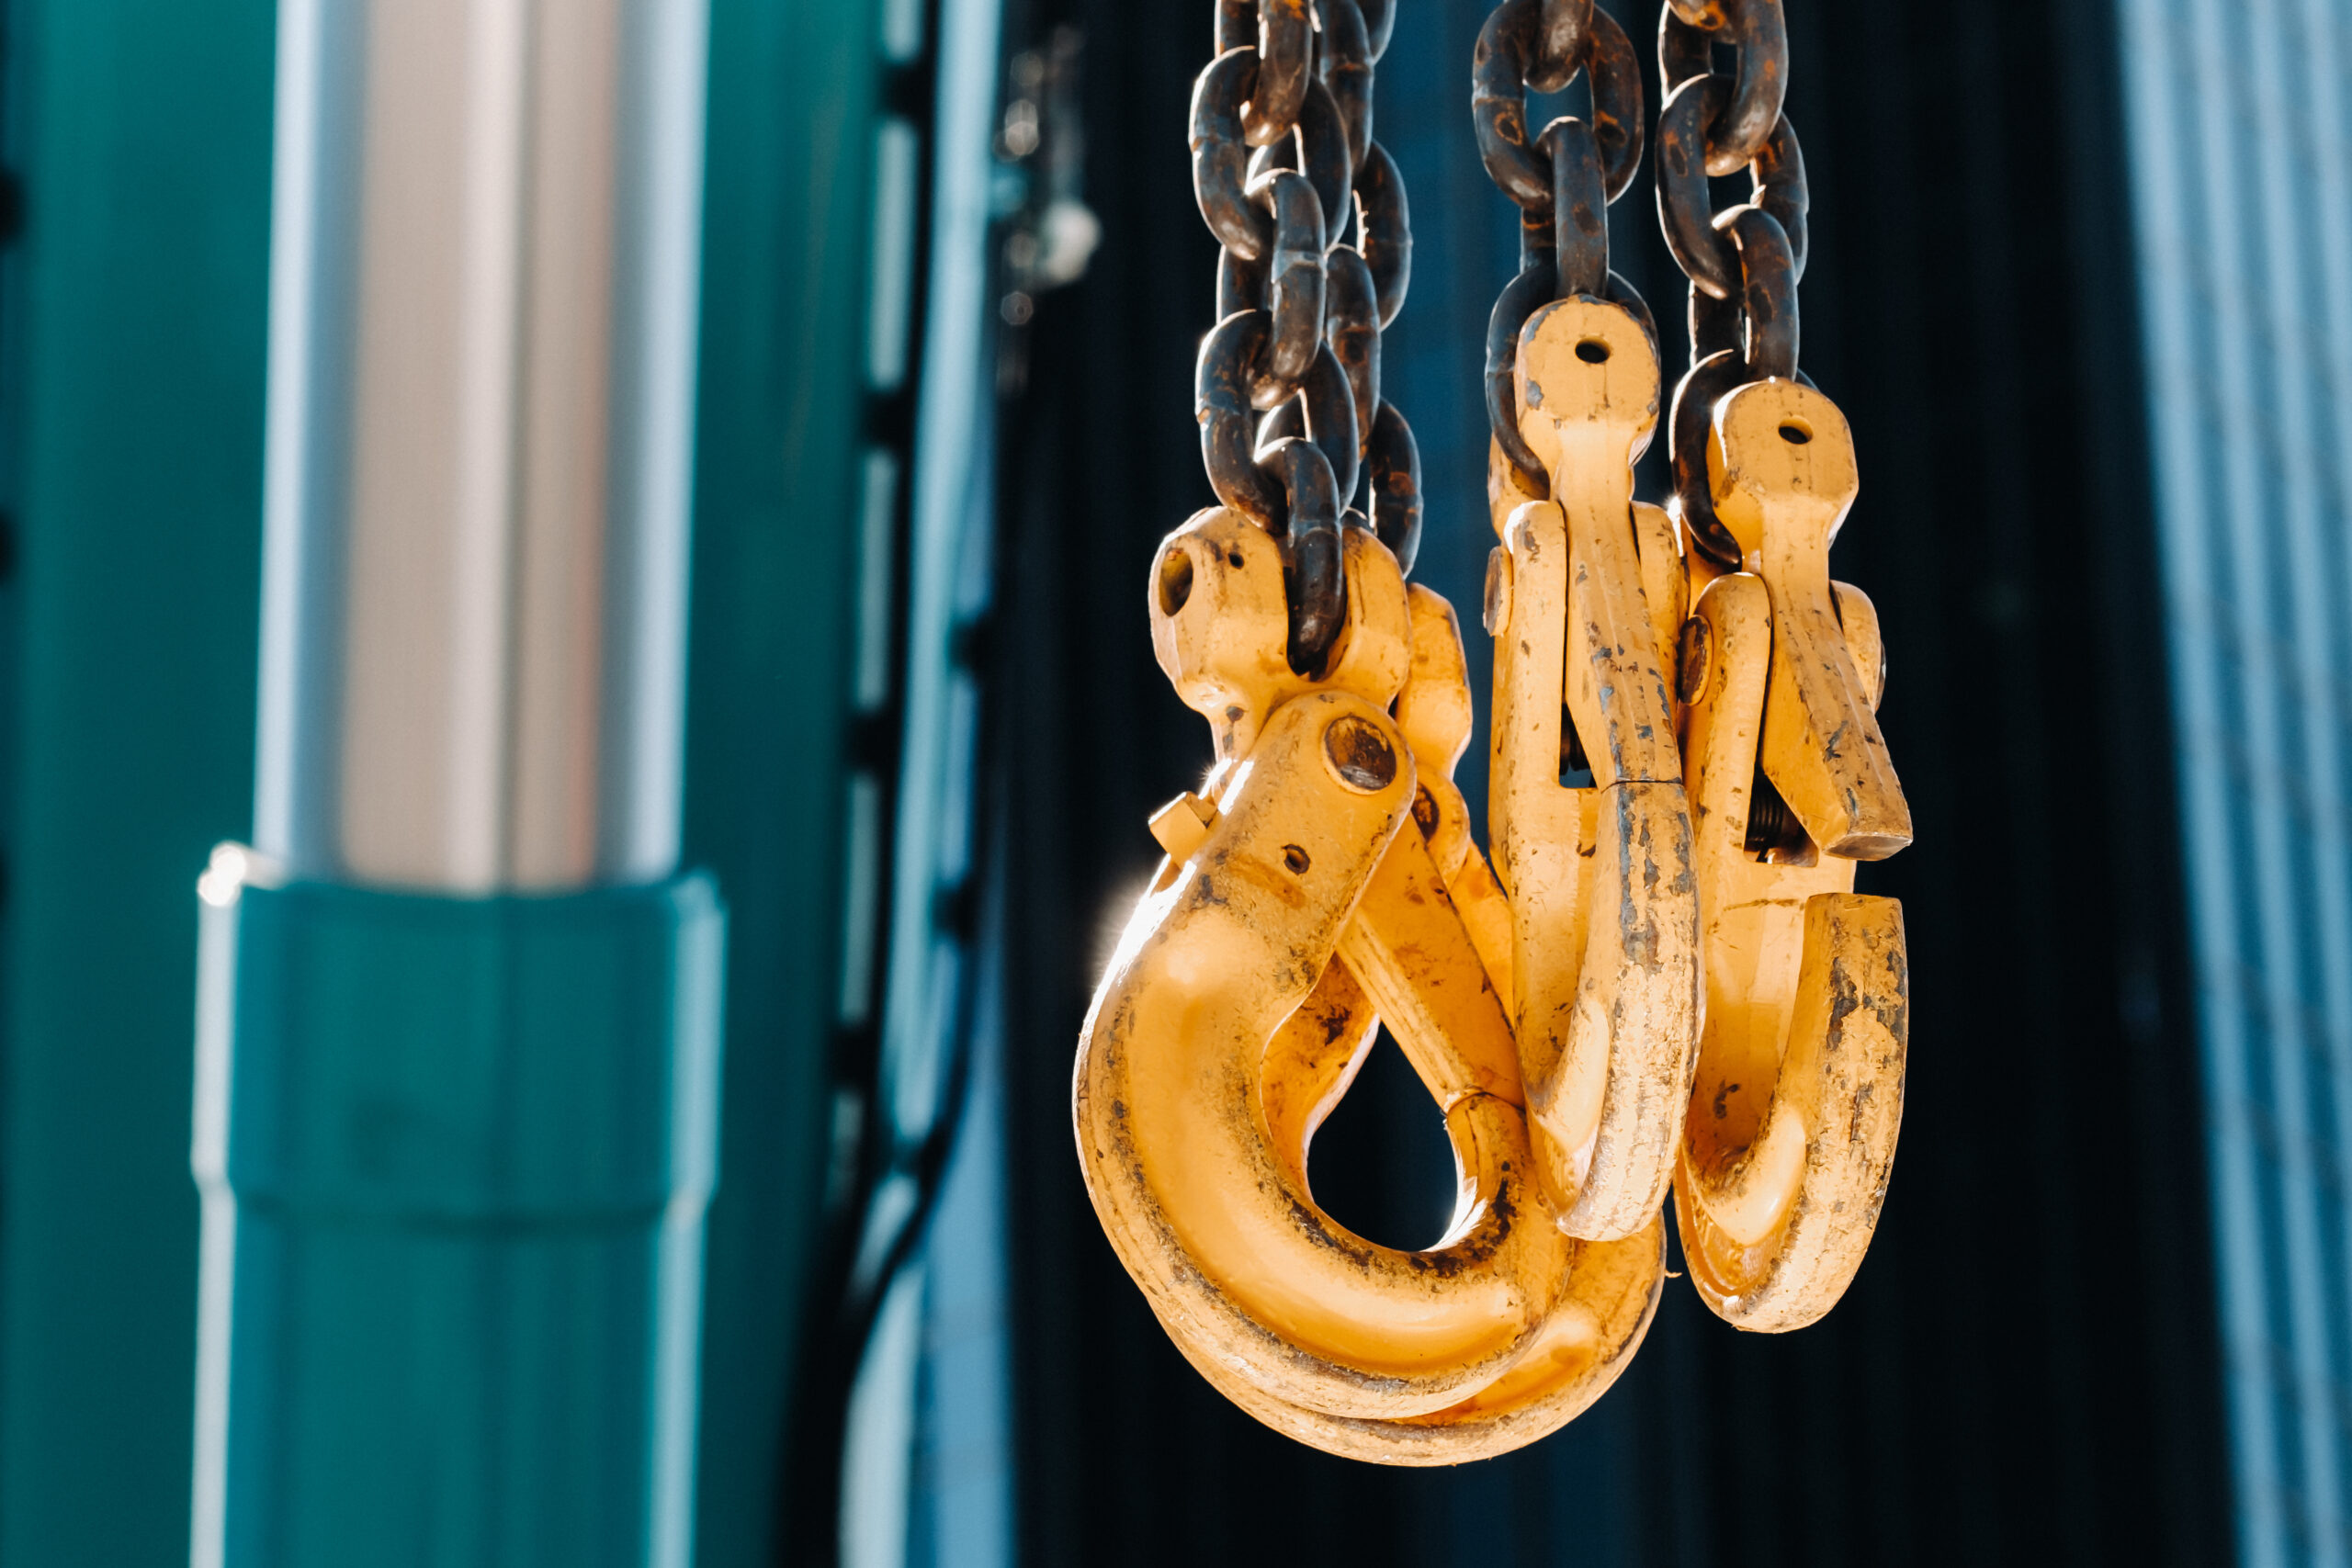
(458, 1031)
(481, 403)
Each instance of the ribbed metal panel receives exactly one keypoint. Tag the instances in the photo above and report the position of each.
(2243, 183)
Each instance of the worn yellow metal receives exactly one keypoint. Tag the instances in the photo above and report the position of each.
(1220, 627)
(1311, 899)
(1661, 980)
(1793, 1122)
(1435, 714)
(1781, 466)
(1584, 1344)
(1610, 1288)
(1603, 886)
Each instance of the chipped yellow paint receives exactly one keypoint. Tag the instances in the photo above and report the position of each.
(1310, 903)
(1236, 1257)
(1666, 584)
(1435, 713)
(1310, 1063)
(1603, 888)
(1780, 462)
(1221, 627)
(1588, 1340)
(1793, 1117)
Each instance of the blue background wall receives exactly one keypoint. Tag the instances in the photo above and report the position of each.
(2241, 132)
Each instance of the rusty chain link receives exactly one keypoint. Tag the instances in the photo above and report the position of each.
(1563, 182)
(1744, 262)
(1287, 387)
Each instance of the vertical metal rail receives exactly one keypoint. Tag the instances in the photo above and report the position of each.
(862, 1245)
(903, 1057)
(458, 1029)
(930, 979)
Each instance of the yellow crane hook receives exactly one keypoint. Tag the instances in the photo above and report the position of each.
(1302, 900)
(1794, 1118)
(1602, 886)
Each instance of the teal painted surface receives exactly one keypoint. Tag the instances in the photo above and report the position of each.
(455, 1155)
(786, 232)
(133, 461)
(139, 298)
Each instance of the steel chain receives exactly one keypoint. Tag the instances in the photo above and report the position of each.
(1563, 181)
(1744, 262)
(1287, 387)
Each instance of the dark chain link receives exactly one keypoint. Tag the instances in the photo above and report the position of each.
(1287, 390)
(1563, 181)
(1744, 262)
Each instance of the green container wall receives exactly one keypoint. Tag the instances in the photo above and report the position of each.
(786, 231)
(456, 1154)
(139, 306)
(135, 324)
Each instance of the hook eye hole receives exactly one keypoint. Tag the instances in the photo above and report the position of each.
(1592, 351)
(1795, 432)
(1175, 580)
